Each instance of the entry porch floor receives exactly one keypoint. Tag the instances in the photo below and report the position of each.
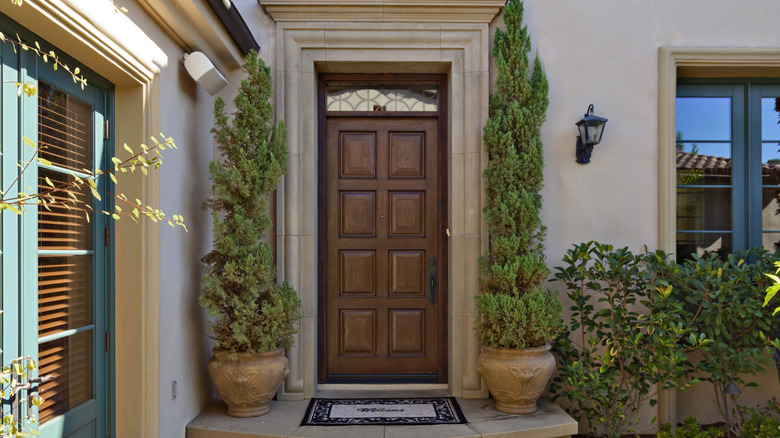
(550, 421)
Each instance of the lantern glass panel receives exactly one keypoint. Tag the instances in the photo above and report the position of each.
(594, 132)
(583, 132)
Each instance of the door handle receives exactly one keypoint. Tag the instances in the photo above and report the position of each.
(432, 279)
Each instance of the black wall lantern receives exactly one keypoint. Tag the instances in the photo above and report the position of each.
(591, 127)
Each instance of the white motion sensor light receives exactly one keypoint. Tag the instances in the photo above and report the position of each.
(203, 71)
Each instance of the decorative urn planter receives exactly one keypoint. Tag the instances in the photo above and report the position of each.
(248, 382)
(516, 378)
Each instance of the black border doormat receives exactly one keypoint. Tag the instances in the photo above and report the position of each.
(383, 412)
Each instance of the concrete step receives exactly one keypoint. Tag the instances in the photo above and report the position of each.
(284, 420)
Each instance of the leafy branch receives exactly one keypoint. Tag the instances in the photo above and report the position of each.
(13, 380)
(64, 195)
(29, 88)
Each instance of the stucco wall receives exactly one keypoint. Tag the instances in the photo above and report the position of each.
(185, 115)
(186, 112)
(605, 52)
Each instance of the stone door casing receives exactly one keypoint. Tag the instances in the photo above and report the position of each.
(303, 50)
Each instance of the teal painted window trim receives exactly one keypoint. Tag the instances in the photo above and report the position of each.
(745, 188)
(18, 234)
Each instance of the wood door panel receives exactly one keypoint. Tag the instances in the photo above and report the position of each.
(358, 214)
(358, 152)
(381, 224)
(358, 332)
(407, 273)
(407, 155)
(407, 332)
(358, 273)
(407, 214)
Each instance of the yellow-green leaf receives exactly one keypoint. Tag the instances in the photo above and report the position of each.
(31, 364)
(28, 142)
(44, 161)
(48, 181)
(96, 194)
(113, 178)
(115, 216)
(14, 209)
(127, 148)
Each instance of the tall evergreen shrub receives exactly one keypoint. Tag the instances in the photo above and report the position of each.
(251, 312)
(516, 312)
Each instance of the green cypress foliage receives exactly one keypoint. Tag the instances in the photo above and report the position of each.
(251, 312)
(511, 273)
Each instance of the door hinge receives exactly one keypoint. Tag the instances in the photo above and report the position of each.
(106, 236)
(107, 341)
(105, 130)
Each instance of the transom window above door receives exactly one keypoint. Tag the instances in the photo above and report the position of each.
(372, 97)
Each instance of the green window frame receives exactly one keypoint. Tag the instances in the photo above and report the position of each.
(21, 248)
(728, 165)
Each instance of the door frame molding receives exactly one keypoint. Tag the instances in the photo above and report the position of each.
(441, 115)
(303, 51)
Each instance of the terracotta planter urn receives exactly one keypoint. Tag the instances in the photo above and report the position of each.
(516, 378)
(248, 382)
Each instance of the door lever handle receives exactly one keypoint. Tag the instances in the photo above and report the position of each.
(432, 279)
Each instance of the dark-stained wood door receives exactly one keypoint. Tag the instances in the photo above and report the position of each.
(383, 303)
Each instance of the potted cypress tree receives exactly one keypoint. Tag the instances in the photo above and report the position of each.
(518, 316)
(253, 318)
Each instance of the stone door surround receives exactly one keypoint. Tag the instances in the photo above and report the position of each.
(305, 48)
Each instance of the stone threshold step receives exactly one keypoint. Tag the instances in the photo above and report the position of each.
(550, 421)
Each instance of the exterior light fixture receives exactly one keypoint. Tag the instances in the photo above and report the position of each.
(591, 127)
(200, 67)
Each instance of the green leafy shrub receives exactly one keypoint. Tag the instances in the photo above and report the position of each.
(252, 313)
(515, 265)
(620, 347)
(690, 429)
(762, 423)
(723, 296)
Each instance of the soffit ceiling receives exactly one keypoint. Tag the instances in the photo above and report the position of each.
(431, 11)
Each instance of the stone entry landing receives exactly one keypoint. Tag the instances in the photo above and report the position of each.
(550, 421)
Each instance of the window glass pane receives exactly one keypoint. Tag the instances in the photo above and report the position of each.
(365, 97)
(770, 241)
(64, 293)
(770, 117)
(702, 244)
(64, 129)
(69, 361)
(706, 163)
(60, 226)
(703, 118)
(703, 209)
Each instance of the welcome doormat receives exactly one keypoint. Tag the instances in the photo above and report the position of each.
(383, 412)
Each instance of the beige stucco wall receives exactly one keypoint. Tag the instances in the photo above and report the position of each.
(606, 52)
(184, 114)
